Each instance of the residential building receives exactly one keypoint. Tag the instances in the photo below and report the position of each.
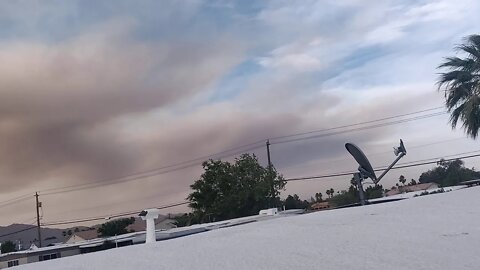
(412, 188)
(320, 206)
(82, 236)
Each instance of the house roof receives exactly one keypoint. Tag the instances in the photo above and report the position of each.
(320, 204)
(419, 187)
(85, 235)
(412, 188)
(140, 225)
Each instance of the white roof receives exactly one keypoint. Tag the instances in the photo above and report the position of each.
(426, 232)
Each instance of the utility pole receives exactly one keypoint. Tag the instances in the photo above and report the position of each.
(38, 220)
(270, 175)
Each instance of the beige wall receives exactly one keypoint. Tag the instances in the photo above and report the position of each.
(63, 253)
(74, 238)
(20, 262)
(71, 252)
(33, 257)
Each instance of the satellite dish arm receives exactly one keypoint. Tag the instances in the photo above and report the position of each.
(402, 154)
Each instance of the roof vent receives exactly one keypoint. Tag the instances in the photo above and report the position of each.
(150, 215)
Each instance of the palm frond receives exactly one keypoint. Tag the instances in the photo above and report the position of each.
(456, 63)
(471, 47)
(462, 86)
(455, 115)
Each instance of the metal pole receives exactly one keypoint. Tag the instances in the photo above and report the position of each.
(38, 220)
(358, 180)
(389, 167)
(270, 176)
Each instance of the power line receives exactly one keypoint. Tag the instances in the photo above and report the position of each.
(400, 166)
(432, 159)
(54, 223)
(255, 145)
(360, 128)
(382, 168)
(19, 231)
(356, 124)
(379, 153)
(15, 200)
(135, 176)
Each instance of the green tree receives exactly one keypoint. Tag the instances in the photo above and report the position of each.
(448, 173)
(318, 197)
(8, 246)
(461, 85)
(226, 190)
(375, 191)
(402, 180)
(294, 202)
(115, 227)
(345, 197)
(185, 220)
(350, 196)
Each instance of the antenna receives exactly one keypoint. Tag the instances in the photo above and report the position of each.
(365, 169)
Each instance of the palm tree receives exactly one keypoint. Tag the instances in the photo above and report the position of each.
(462, 86)
(402, 179)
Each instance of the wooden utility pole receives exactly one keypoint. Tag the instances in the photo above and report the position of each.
(270, 174)
(38, 220)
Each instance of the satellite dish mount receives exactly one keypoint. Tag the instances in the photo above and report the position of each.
(365, 169)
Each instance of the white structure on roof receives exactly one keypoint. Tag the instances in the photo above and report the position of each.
(150, 215)
(268, 212)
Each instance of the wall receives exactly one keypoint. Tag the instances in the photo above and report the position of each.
(21, 260)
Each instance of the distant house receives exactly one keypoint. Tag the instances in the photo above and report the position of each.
(35, 254)
(161, 223)
(471, 183)
(320, 206)
(82, 236)
(418, 187)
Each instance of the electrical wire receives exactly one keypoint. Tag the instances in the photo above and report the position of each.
(129, 178)
(15, 200)
(378, 153)
(356, 124)
(400, 166)
(55, 223)
(19, 231)
(255, 145)
(360, 128)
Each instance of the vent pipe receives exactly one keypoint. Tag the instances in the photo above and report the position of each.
(149, 215)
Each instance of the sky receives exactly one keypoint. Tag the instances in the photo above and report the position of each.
(93, 91)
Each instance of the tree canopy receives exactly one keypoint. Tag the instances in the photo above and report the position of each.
(226, 190)
(448, 173)
(462, 86)
(294, 202)
(115, 227)
(8, 246)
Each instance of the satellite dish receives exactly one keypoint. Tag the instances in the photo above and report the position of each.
(364, 165)
(365, 168)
